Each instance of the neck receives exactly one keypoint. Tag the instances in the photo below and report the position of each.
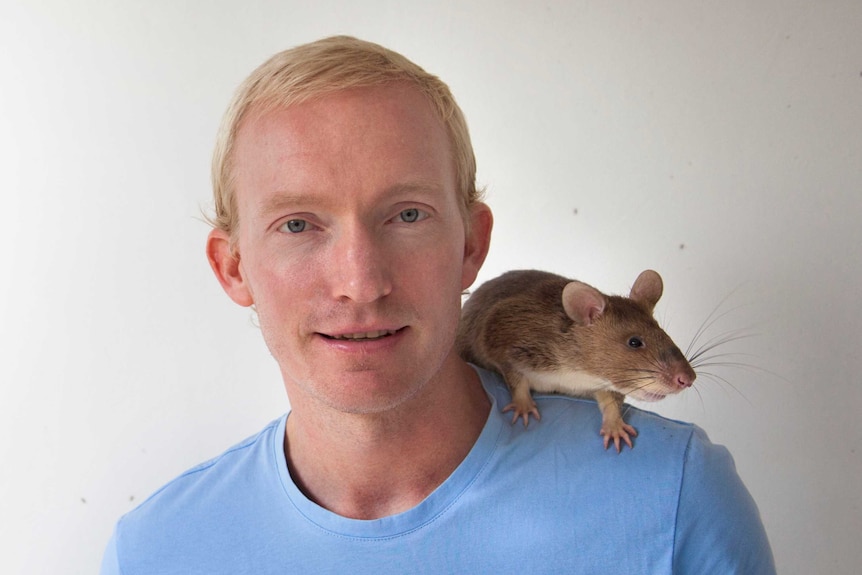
(369, 466)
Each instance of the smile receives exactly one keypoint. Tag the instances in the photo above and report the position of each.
(363, 336)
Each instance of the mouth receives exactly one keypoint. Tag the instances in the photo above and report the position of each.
(648, 396)
(362, 335)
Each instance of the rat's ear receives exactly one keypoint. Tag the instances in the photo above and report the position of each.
(476, 243)
(647, 289)
(224, 261)
(583, 303)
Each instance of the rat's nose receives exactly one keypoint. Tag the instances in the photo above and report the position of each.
(685, 378)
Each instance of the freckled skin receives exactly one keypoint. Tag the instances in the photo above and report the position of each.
(350, 225)
(356, 264)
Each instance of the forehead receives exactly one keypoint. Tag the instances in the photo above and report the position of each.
(351, 139)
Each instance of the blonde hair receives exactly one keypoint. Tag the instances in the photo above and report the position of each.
(319, 68)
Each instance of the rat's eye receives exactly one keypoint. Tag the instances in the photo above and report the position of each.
(635, 342)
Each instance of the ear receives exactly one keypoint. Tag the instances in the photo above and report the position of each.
(647, 289)
(476, 243)
(584, 304)
(224, 261)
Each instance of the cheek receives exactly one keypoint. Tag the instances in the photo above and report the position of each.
(284, 305)
(273, 285)
(435, 279)
(437, 265)
(278, 266)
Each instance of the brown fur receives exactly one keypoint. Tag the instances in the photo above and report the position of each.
(527, 324)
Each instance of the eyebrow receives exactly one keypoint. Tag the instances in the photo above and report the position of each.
(420, 187)
(280, 201)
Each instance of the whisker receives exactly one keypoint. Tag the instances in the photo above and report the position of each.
(715, 358)
(717, 378)
(718, 340)
(746, 367)
(711, 319)
(700, 397)
(736, 364)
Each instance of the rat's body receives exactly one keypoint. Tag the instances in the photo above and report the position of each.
(546, 333)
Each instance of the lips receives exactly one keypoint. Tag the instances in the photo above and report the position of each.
(363, 335)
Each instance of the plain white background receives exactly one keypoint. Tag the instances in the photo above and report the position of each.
(719, 143)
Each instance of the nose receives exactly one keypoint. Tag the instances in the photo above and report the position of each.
(360, 266)
(685, 377)
(679, 370)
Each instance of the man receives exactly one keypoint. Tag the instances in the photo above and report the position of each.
(347, 214)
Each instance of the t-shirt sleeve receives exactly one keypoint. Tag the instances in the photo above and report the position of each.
(718, 526)
(110, 561)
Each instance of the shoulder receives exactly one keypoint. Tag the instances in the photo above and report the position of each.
(576, 423)
(218, 468)
(666, 451)
(685, 488)
(202, 492)
(718, 524)
(563, 455)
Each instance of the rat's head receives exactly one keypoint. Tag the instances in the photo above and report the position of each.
(621, 342)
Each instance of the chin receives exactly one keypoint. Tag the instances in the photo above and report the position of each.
(648, 396)
(368, 393)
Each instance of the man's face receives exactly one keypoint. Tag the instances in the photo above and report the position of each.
(352, 246)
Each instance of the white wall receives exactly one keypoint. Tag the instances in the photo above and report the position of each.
(717, 142)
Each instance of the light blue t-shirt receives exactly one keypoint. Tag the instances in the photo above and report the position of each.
(545, 499)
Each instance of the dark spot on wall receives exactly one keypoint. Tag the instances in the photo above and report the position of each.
(84, 500)
(682, 246)
(575, 211)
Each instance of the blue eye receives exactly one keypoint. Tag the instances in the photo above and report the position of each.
(294, 226)
(410, 215)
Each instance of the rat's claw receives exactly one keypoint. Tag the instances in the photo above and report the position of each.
(523, 413)
(621, 431)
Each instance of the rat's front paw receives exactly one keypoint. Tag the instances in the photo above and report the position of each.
(523, 410)
(617, 431)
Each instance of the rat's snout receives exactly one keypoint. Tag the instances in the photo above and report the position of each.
(685, 376)
(684, 380)
(679, 371)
